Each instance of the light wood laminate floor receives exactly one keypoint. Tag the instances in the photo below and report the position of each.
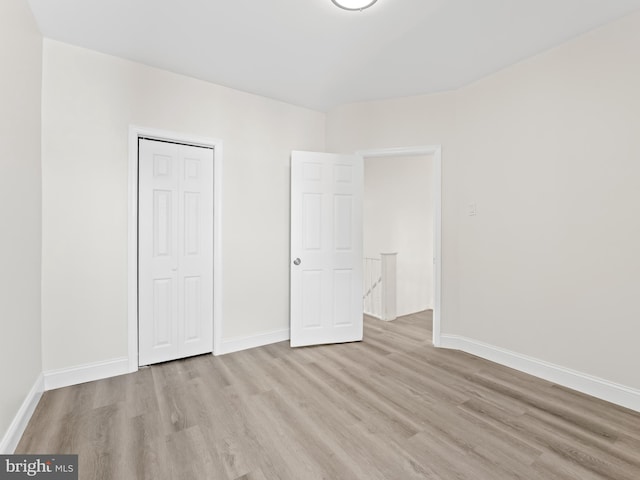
(390, 407)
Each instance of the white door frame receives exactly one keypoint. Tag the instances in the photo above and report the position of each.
(135, 133)
(436, 152)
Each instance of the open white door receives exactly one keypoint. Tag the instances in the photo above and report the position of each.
(326, 248)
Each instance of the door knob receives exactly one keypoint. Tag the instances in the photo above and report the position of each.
(297, 261)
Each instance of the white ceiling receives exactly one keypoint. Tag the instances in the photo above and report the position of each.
(311, 53)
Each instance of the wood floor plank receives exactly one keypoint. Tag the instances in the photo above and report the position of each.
(391, 407)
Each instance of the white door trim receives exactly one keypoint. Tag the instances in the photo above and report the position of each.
(436, 152)
(136, 132)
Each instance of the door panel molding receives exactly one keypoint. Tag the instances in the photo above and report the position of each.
(136, 132)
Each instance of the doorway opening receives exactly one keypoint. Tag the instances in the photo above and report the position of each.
(186, 141)
(431, 296)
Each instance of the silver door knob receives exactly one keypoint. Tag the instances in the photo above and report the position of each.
(297, 261)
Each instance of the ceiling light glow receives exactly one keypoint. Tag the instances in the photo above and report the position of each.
(354, 4)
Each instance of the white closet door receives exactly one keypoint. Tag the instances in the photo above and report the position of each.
(195, 243)
(175, 251)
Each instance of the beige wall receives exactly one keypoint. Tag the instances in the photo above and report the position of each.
(20, 206)
(398, 217)
(552, 157)
(549, 151)
(89, 101)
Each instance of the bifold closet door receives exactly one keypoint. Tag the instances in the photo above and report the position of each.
(175, 251)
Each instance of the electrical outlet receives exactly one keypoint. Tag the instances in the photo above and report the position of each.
(473, 209)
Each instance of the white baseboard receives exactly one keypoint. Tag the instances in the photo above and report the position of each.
(236, 344)
(14, 433)
(65, 377)
(597, 387)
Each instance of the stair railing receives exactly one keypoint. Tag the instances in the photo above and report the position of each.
(379, 299)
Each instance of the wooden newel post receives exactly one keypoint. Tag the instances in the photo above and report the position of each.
(389, 289)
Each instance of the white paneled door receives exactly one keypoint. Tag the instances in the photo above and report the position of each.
(326, 248)
(175, 251)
